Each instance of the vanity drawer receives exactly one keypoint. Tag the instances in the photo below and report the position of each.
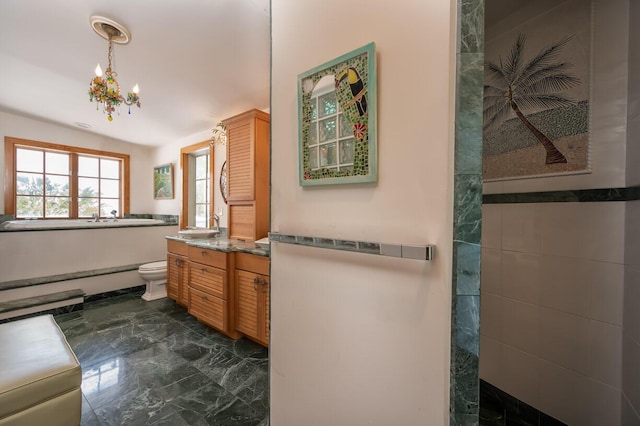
(177, 247)
(209, 309)
(252, 263)
(208, 257)
(208, 279)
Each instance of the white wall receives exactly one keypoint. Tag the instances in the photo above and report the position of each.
(552, 305)
(355, 338)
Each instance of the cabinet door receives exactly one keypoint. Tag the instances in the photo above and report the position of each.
(247, 303)
(242, 225)
(240, 169)
(173, 276)
(264, 306)
(183, 288)
(177, 273)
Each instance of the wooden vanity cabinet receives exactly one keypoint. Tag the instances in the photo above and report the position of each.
(248, 165)
(209, 290)
(252, 296)
(178, 272)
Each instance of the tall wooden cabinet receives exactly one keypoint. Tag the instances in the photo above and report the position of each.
(248, 175)
(252, 296)
(177, 272)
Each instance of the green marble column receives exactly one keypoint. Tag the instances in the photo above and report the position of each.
(465, 309)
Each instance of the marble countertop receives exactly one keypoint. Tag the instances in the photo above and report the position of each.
(223, 244)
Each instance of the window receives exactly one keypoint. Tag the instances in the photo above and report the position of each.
(47, 181)
(197, 187)
(202, 181)
(331, 141)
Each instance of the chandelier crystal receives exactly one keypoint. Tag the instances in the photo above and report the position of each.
(105, 90)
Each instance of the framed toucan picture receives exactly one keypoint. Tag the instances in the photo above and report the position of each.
(337, 118)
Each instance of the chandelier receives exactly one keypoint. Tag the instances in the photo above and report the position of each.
(105, 90)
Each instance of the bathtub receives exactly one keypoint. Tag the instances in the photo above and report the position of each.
(22, 225)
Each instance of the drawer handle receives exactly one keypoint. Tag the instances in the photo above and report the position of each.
(204, 298)
(255, 284)
(203, 253)
(178, 262)
(262, 283)
(203, 270)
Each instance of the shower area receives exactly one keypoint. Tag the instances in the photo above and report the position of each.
(560, 293)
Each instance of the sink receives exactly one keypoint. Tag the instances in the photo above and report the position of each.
(263, 243)
(197, 233)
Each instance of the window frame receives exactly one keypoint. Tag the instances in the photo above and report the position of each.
(11, 144)
(185, 165)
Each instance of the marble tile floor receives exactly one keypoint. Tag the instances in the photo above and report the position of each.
(151, 363)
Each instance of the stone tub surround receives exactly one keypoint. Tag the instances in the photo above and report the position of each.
(8, 285)
(223, 244)
(73, 307)
(169, 220)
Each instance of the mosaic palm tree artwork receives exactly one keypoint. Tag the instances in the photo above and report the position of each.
(337, 120)
(536, 108)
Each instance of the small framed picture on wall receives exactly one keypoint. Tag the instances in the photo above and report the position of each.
(163, 182)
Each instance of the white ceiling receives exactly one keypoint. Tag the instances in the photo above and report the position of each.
(196, 62)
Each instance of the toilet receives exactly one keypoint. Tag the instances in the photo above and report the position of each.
(155, 275)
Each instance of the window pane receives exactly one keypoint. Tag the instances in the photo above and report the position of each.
(328, 104)
(328, 155)
(109, 188)
(109, 168)
(88, 166)
(346, 151)
(57, 185)
(201, 191)
(313, 133)
(87, 206)
(314, 108)
(346, 128)
(28, 184)
(87, 187)
(202, 213)
(29, 206)
(57, 206)
(28, 160)
(56, 163)
(202, 166)
(107, 205)
(313, 158)
(327, 129)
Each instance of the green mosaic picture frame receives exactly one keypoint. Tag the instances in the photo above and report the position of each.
(337, 120)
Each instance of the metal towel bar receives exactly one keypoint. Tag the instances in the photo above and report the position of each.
(405, 251)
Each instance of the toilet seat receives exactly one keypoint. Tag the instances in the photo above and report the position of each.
(153, 267)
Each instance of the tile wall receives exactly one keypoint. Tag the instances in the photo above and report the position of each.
(631, 319)
(553, 279)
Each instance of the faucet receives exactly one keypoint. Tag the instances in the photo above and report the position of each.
(113, 213)
(96, 217)
(216, 220)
